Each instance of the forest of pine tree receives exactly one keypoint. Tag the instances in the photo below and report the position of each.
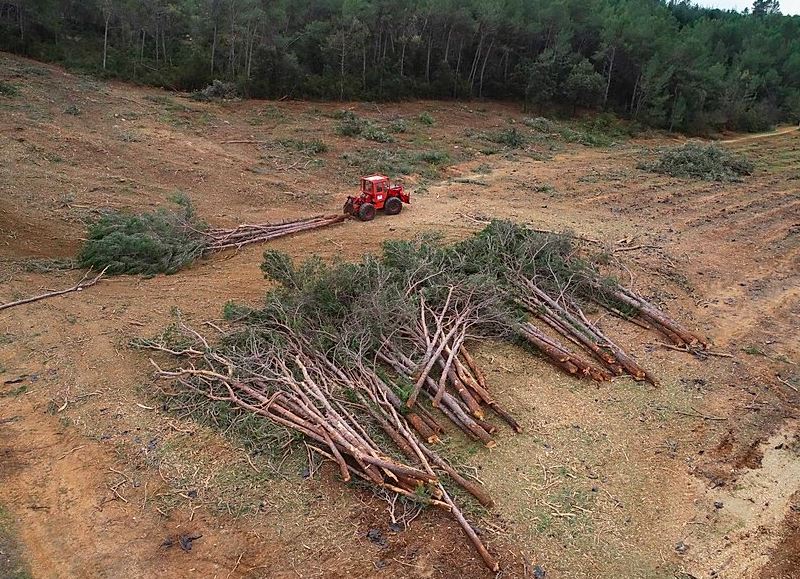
(670, 65)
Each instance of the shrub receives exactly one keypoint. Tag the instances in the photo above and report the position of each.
(217, 90)
(398, 126)
(128, 137)
(145, 243)
(8, 90)
(379, 160)
(710, 163)
(350, 124)
(540, 124)
(373, 133)
(433, 157)
(312, 147)
(511, 138)
(588, 138)
(426, 118)
(73, 110)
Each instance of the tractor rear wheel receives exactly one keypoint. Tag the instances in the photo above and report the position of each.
(366, 212)
(393, 206)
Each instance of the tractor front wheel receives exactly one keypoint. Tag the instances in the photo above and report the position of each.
(393, 206)
(366, 212)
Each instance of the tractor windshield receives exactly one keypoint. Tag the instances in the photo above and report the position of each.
(365, 186)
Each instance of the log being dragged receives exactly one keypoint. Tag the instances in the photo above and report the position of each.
(237, 237)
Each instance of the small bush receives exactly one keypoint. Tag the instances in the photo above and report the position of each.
(398, 126)
(373, 133)
(426, 119)
(73, 110)
(379, 160)
(710, 163)
(540, 124)
(350, 124)
(217, 90)
(312, 147)
(8, 90)
(145, 243)
(128, 137)
(342, 114)
(511, 138)
(587, 138)
(432, 157)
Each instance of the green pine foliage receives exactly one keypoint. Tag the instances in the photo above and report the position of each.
(706, 162)
(161, 241)
(371, 297)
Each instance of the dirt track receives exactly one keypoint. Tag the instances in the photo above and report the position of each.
(616, 480)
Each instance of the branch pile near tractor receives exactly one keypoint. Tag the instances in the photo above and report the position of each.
(165, 241)
(369, 361)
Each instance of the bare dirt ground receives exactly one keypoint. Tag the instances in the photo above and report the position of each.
(696, 477)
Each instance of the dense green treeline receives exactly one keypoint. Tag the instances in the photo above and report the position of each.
(664, 64)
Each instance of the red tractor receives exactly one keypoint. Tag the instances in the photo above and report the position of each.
(376, 193)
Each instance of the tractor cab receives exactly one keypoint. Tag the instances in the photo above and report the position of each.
(375, 186)
(377, 192)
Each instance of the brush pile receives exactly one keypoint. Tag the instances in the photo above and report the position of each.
(369, 361)
(706, 162)
(165, 241)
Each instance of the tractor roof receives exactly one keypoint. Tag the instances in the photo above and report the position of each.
(376, 178)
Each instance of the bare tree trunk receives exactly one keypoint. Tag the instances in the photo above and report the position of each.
(250, 47)
(105, 40)
(164, 47)
(364, 66)
(483, 69)
(213, 49)
(672, 112)
(610, 71)
(428, 59)
(633, 96)
(447, 44)
(474, 68)
(458, 67)
(232, 51)
(403, 57)
(341, 67)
